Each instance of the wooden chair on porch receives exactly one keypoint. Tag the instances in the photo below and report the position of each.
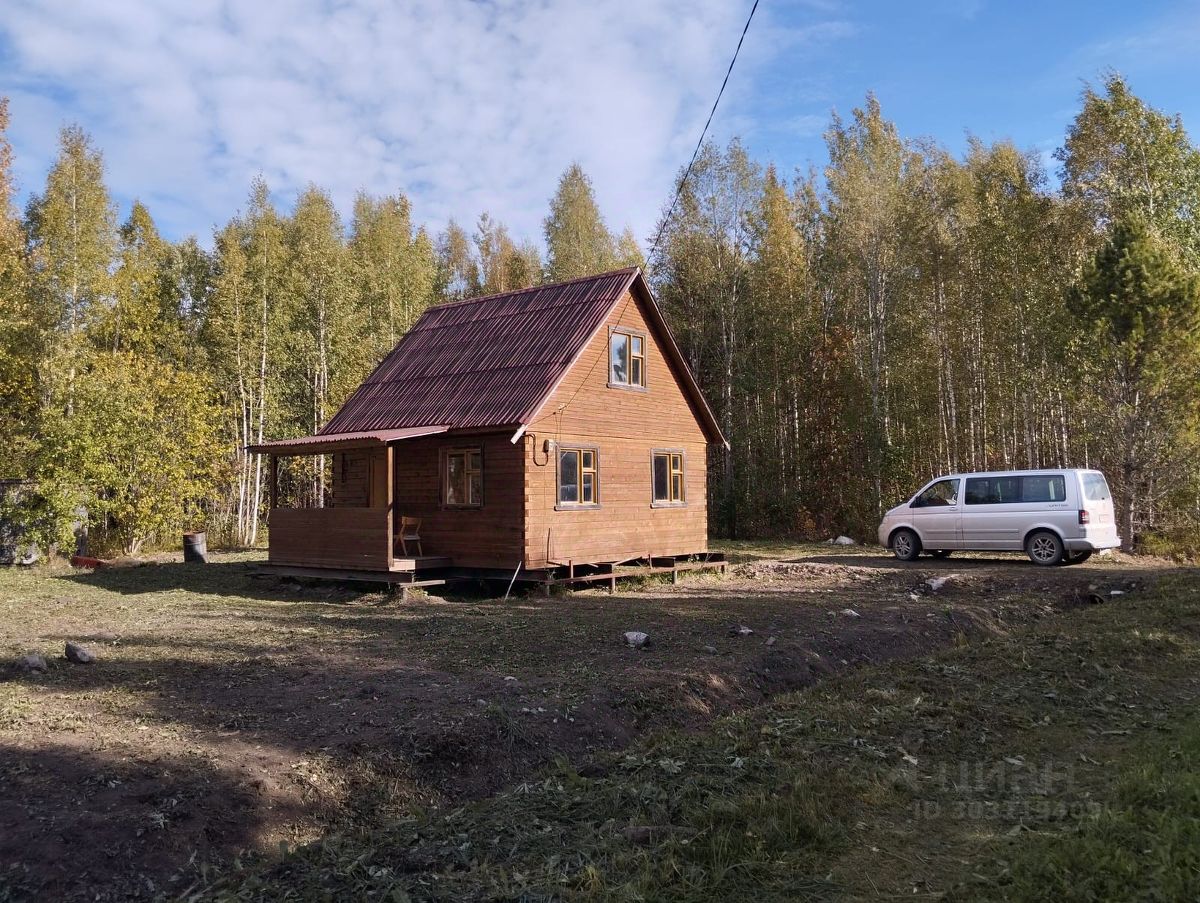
(410, 532)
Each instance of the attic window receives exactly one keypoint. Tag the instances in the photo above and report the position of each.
(627, 359)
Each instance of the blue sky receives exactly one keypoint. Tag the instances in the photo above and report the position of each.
(467, 106)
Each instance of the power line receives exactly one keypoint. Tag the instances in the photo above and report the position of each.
(687, 172)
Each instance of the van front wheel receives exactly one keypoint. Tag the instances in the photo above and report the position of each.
(906, 545)
(1044, 548)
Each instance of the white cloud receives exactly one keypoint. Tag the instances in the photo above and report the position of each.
(465, 106)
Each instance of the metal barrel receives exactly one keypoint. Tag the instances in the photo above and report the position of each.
(195, 548)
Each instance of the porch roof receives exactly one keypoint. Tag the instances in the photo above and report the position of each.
(315, 445)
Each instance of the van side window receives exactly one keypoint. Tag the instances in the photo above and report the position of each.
(993, 490)
(941, 493)
(1044, 489)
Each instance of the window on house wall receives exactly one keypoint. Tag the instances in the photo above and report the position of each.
(578, 477)
(667, 474)
(464, 477)
(627, 359)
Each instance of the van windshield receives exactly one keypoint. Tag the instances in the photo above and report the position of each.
(1095, 487)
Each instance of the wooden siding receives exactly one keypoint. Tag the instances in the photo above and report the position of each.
(330, 537)
(352, 477)
(488, 536)
(625, 425)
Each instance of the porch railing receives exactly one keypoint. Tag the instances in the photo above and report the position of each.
(354, 538)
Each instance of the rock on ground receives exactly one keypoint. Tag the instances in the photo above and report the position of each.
(936, 583)
(31, 661)
(80, 655)
(636, 639)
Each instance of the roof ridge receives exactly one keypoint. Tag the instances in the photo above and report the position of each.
(483, 319)
(532, 288)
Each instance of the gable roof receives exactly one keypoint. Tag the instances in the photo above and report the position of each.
(494, 361)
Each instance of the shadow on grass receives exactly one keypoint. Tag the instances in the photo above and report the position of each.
(219, 578)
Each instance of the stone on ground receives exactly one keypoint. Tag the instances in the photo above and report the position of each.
(79, 655)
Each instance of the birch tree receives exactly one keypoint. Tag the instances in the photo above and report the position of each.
(577, 241)
(393, 268)
(72, 239)
(20, 332)
(325, 328)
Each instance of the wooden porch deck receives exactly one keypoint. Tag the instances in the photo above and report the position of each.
(420, 563)
(435, 570)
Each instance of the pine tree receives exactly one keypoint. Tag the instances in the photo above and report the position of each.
(1141, 309)
(577, 241)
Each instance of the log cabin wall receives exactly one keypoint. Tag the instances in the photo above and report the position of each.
(488, 536)
(624, 425)
(352, 477)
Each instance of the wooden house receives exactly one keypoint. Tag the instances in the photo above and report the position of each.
(548, 432)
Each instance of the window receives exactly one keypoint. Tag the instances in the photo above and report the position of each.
(464, 477)
(1009, 490)
(993, 490)
(667, 476)
(1095, 488)
(1043, 489)
(627, 359)
(578, 482)
(941, 493)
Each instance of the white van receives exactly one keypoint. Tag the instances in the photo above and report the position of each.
(1055, 516)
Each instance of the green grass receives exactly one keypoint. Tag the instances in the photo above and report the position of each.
(1143, 845)
(1052, 763)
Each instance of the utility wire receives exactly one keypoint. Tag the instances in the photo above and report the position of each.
(678, 190)
(687, 172)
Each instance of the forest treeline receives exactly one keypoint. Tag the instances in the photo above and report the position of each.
(857, 330)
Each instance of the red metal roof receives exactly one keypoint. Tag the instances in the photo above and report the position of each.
(304, 444)
(493, 361)
(485, 361)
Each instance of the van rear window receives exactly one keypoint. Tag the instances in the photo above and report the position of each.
(1095, 487)
(1008, 490)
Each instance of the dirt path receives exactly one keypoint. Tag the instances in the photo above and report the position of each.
(228, 713)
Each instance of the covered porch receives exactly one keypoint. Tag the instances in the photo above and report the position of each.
(359, 527)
